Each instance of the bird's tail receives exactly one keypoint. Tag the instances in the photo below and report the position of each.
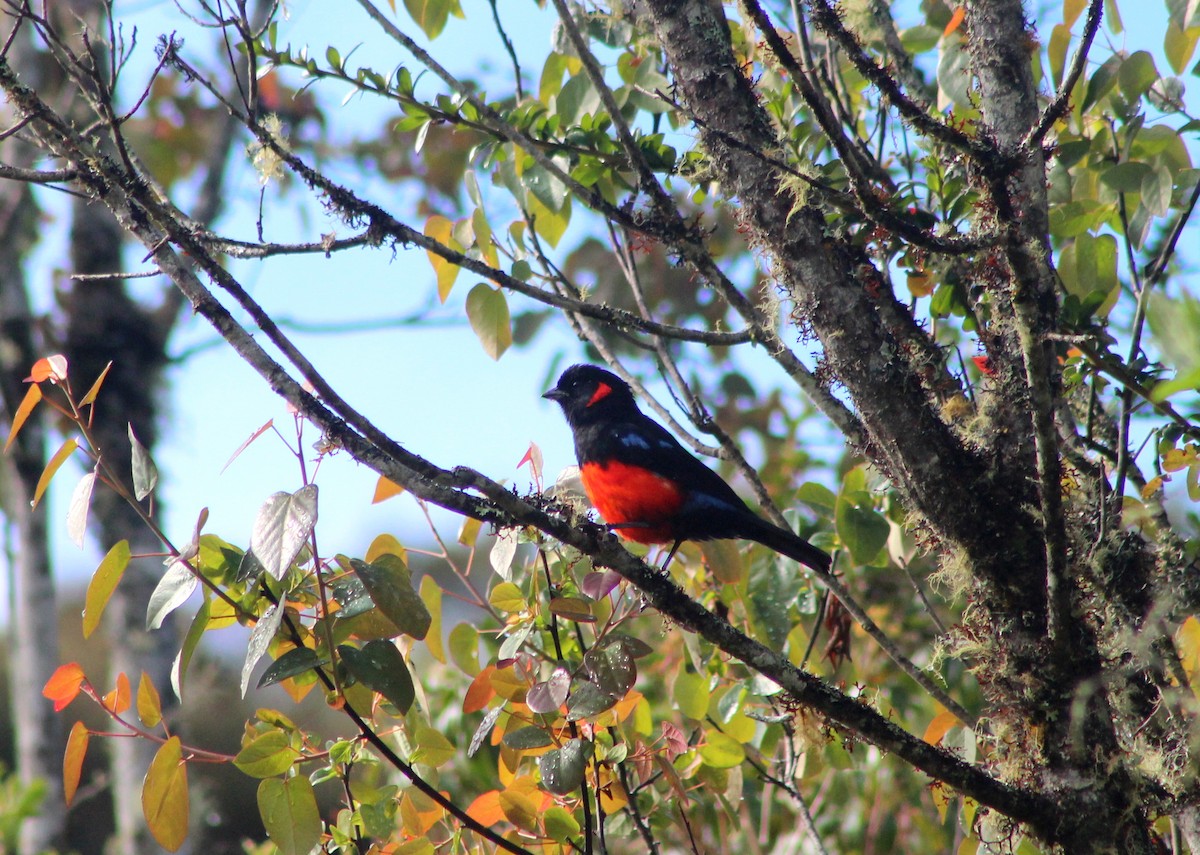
(785, 543)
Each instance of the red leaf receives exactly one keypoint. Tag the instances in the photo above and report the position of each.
(984, 364)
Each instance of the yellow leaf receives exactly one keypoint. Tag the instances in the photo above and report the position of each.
(56, 462)
(519, 808)
(149, 705)
(508, 685)
(31, 399)
(90, 397)
(385, 489)
(1071, 10)
(431, 596)
(1179, 458)
(104, 582)
(1188, 641)
(165, 796)
(1152, 487)
(438, 228)
(77, 745)
(507, 597)
(724, 560)
(385, 544)
(920, 283)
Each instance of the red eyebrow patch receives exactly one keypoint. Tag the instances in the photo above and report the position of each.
(602, 392)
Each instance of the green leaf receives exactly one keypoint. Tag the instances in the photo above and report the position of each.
(431, 15)
(560, 825)
(267, 756)
(379, 666)
(550, 225)
(283, 525)
(145, 473)
(389, 585)
(1126, 177)
(432, 746)
(171, 592)
(588, 700)
(1179, 45)
(1156, 191)
(104, 582)
(1089, 266)
(507, 597)
(526, 738)
(545, 186)
(862, 528)
(692, 695)
(295, 661)
(464, 648)
(611, 668)
(1056, 50)
(1102, 81)
(953, 73)
(1175, 323)
(817, 496)
(720, 751)
(190, 641)
(487, 310)
(289, 813)
(1137, 74)
(165, 796)
(260, 640)
(563, 768)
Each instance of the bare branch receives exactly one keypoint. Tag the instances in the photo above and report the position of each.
(1062, 100)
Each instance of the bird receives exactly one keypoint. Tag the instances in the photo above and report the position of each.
(645, 485)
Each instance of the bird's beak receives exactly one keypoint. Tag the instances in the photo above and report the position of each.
(555, 395)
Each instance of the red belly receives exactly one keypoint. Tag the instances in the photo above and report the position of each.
(630, 494)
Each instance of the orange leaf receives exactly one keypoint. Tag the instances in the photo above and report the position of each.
(60, 457)
(385, 488)
(480, 691)
(63, 685)
(52, 368)
(486, 809)
(117, 701)
(419, 812)
(31, 399)
(955, 20)
(77, 745)
(940, 726)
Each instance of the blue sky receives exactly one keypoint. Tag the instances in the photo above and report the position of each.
(432, 389)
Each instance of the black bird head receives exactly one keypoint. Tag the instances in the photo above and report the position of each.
(586, 392)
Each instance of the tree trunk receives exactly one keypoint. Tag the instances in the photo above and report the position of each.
(34, 627)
